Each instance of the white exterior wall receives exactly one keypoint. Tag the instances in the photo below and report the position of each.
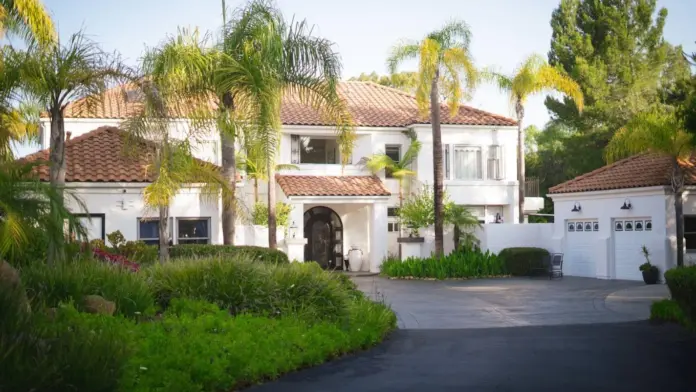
(496, 237)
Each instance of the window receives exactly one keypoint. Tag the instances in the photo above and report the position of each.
(393, 211)
(495, 156)
(193, 230)
(148, 230)
(689, 232)
(314, 149)
(93, 224)
(447, 161)
(467, 163)
(393, 152)
(393, 227)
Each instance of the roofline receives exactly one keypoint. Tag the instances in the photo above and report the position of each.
(607, 193)
(592, 173)
(338, 199)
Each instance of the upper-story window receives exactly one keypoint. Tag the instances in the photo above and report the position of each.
(312, 149)
(393, 152)
(495, 166)
(467, 163)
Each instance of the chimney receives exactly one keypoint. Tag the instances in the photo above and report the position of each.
(68, 135)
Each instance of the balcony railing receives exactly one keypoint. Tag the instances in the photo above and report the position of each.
(531, 187)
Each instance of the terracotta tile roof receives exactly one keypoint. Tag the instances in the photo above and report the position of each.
(370, 104)
(98, 156)
(638, 171)
(331, 185)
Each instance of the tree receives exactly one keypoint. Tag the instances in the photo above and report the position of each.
(57, 75)
(400, 170)
(27, 19)
(444, 61)
(18, 122)
(171, 160)
(533, 76)
(658, 132)
(273, 59)
(463, 221)
(405, 81)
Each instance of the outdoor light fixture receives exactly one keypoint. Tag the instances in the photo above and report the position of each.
(626, 205)
(293, 229)
(576, 207)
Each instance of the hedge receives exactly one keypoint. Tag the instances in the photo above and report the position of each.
(456, 265)
(520, 261)
(265, 255)
(682, 285)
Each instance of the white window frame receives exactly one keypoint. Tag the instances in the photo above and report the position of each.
(495, 158)
(170, 225)
(195, 218)
(456, 169)
(398, 147)
(296, 151)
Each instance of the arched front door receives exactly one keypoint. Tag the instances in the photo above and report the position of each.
(324, 232)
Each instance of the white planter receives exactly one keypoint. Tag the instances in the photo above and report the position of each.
(411, 247)
(355, 259)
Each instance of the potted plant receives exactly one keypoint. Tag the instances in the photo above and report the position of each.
(651, 274)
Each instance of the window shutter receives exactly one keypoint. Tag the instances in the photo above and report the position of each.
(447, 161)
(494, 163)
(295, 149)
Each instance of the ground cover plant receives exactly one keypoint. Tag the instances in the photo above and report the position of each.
(463, 264)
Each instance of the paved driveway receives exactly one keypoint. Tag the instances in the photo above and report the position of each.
(513, 335)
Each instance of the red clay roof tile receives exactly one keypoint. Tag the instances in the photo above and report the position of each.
(331, 185)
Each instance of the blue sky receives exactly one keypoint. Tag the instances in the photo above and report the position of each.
(504, 31)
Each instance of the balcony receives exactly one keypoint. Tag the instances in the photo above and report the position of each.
(533, 201)
(531, 187)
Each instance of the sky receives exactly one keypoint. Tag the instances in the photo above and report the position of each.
(504, 31)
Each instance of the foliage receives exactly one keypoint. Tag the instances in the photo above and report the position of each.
(668, 310)
(463, 222)
(241, 286)
(198, 347)
(520, 261)
(252, 253)
(418, 210)
(49, 285)
(461, 264)
(27, 19)
(131, 251)
(115, 259)
(116, 239)
(405, 81)
(260, 214)
(682, 285)
(66, 351)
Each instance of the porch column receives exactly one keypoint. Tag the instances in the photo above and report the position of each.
(378, 235)
(295, 238)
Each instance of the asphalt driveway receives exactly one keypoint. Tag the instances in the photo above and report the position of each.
(513, 335)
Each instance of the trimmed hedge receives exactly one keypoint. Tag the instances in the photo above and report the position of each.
(668, 310)
(257, 253)
(520, 261)
(682, 285)
(456, 265)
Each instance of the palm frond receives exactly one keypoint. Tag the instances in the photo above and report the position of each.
(379, 162)
(405, 50)
(27, 19)
(411, 153)
(453, 34)
(550, 78)
(429, 62)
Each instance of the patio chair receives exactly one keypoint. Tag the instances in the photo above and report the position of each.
(556, 266)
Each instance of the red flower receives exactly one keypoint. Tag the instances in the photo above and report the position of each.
(120, 260)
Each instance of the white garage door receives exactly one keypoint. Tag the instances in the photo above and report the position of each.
(581, 242)
(629, 236)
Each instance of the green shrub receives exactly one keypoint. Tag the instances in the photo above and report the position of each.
(465, 264)
(243, 286)
(520, 261)
(682, 285)
(668, 310)
(256, 253)
(73, 280)
(215, 352)
(139, 252)
(259, 216)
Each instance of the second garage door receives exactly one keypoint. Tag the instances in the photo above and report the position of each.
(629, 236)
(581, 242)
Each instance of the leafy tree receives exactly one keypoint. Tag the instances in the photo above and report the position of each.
(27, 19)
(443, 55)
(400, 170)
(658, 132)
(57, 75)
(534, 76)
(406, 81)
(277, 58)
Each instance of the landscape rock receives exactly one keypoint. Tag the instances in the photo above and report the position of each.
(96, 304)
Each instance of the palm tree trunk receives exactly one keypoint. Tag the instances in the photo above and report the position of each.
(678, 189)
(437, 163)
(520, 158)
(57, 171)
(229, 171)
(163, 234)
(272, 241)
(256, 190)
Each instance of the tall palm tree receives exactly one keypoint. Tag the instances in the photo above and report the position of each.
(400, 170)
(533, 76)
(273, 58)
(171, 160)
(658, 132)
(27, 19)
(253, 162)
(444, 61)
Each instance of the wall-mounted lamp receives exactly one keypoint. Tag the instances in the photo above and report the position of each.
(293, 229)
(626, 205)
(576, 207)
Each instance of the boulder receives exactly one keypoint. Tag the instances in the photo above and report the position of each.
(98, 305)
(9, 277)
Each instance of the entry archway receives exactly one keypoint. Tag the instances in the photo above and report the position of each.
(323, 230)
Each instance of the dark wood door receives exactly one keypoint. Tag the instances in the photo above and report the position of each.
(324, 233)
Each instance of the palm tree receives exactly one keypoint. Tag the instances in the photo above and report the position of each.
(463, 221)
(267, 58)
(18, 123)
(171, 160)
(27, 19)
(444, 61)
(253, 163)
(658, 132)
(533, 76)
(400, 170)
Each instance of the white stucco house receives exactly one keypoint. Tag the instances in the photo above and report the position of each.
(334, 208)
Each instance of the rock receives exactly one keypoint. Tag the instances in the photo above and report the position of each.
(98, 305)
(9, 277)
(51, 313)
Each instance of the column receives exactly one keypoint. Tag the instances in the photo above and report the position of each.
(295, 240)
(378, 235)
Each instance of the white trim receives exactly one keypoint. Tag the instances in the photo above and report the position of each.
(337, 199)
(645, 191)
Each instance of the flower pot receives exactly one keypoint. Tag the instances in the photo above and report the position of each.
(651, 276)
